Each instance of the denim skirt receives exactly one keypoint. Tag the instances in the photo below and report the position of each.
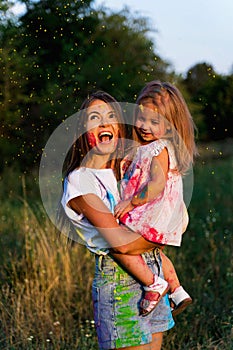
(116, 297)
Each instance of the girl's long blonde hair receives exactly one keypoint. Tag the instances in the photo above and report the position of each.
(170, 103)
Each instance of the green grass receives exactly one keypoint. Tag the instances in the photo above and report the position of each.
(45, 300)
(204, 262)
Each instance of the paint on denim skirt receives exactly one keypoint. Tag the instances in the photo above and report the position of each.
(127, 314)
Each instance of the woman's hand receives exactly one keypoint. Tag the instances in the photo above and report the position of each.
(122, 208)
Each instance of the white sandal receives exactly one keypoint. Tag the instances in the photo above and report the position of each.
(179, 300)
(148, 303)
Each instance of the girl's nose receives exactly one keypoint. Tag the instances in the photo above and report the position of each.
(144, 126)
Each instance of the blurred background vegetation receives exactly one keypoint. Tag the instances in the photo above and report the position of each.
(54, 54)
(51, 57)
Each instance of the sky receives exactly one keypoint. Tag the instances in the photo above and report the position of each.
(186, 32)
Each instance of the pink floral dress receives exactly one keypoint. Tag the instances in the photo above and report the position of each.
(164, 219)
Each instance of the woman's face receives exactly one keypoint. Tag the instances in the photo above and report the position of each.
(102, 127)
(150, 125)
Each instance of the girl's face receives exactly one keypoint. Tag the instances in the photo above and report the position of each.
(102, 127)
(150, 125)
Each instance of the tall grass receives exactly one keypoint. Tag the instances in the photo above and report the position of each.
(205, 261)
(45, 286)
(45, 300)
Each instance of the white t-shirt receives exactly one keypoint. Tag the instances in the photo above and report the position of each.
(100, 182)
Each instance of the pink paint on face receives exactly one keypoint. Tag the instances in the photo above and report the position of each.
(91, 139)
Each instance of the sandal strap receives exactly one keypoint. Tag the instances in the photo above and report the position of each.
(160, 285)
(179, 295)
(147, 304)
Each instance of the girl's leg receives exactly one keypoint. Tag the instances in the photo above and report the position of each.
(169, 272)
(154, 286)
(179, 298)
(136, 266)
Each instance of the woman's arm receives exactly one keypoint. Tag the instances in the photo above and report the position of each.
(120, 239)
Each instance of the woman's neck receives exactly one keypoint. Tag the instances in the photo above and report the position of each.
(97, 162)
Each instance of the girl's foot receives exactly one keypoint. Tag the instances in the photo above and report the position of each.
(153, 295)
(179, 300)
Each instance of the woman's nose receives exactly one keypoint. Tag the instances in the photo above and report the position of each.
(103, 121)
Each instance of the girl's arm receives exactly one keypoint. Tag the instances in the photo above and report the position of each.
(120, 240)
(158, 175)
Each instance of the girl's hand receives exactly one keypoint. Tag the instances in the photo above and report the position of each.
(122, 208)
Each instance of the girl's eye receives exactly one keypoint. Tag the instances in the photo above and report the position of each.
(140, 118)
(154, 122)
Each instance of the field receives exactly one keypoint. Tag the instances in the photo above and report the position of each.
(45, 300)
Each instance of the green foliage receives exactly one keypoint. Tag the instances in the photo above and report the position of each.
(5, 5)
(217, 100)
(198, 76)
(57, 52)
(54, 56)
(214, 94)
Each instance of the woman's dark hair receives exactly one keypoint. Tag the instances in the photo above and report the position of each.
(81, 147)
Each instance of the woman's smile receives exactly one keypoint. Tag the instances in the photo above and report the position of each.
(102, 127)
(105, 136)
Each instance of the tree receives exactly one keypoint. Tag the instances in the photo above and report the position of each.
(62, 51)
(217, 100)
(195, 81)
(77, 49)
(213, 93)
(197, 76)
(14, 74)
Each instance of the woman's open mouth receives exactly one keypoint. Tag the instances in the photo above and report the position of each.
(105, 136)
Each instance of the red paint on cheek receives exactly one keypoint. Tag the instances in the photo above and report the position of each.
(91, 139)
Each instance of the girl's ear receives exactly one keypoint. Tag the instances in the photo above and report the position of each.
(168, 129)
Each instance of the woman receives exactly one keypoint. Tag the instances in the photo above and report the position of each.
(90, 195)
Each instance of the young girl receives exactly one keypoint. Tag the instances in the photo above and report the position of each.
(151, 190)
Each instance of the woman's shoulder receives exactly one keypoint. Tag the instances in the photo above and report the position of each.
(90, 175)
(82, 177)
(79, 172)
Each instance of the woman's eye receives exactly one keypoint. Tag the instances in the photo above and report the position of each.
(93, 117)
(112, 116)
